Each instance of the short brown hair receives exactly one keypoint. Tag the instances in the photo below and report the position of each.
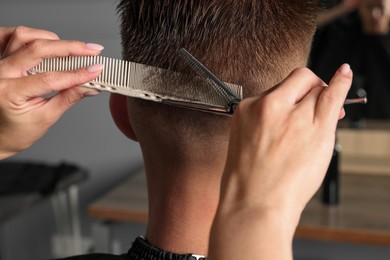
(236, 39)
(247, 42)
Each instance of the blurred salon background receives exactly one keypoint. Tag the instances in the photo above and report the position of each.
(84, 190)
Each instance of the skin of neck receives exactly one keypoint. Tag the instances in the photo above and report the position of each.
(183, 191)
(184, 174)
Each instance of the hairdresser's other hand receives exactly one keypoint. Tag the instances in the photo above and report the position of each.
(280, 147)
(337, 11)
(25, 113)
(350, 4)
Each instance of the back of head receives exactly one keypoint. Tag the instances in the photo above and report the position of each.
(253, 43)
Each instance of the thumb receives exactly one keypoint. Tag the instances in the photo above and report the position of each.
(332, 98)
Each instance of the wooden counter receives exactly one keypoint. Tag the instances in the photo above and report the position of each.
(363, 215)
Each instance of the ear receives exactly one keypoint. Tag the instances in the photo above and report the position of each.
(119, 113)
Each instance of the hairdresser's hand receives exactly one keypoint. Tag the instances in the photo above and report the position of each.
(25, 113)
(280, 147)
(336, 11)
(350, 4)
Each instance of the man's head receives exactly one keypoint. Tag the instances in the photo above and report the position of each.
(253, 43)
(375, 15)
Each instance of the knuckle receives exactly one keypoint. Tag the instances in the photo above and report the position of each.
(61, 79)
(75, 77)
(36, 46)
(301, 71)
(20, 31)
(270, 102)
(74, 95)
(48, 78)
(330, 96)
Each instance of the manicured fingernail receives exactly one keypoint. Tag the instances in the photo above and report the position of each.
(91, 93)
(345, 69)
(94, 46)
(95, 67)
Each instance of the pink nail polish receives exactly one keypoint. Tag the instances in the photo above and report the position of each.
(92, 93)
(94, 46)
(94, 68)
(345, 69)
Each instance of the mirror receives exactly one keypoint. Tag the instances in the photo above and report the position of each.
(356, 32)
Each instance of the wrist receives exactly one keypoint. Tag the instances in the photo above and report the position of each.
(252, 198)
(269, 229)
(275, 216)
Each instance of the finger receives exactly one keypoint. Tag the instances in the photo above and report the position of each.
(62, 101)
(332, 99)
(34, 52)
(342, 114)
(5, 36)
(23, 89)
(23, 35)
(298, 84)
(308, 104)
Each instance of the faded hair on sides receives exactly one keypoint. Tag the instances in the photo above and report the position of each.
(253, 43)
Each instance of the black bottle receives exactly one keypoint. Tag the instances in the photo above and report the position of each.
(331, 183)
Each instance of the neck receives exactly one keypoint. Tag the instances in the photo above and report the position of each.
(183, 199)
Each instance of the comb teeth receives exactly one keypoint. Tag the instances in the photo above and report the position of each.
(219, 86)
(214, 85)
(115, 72)
(118, 76)
(140, 81)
